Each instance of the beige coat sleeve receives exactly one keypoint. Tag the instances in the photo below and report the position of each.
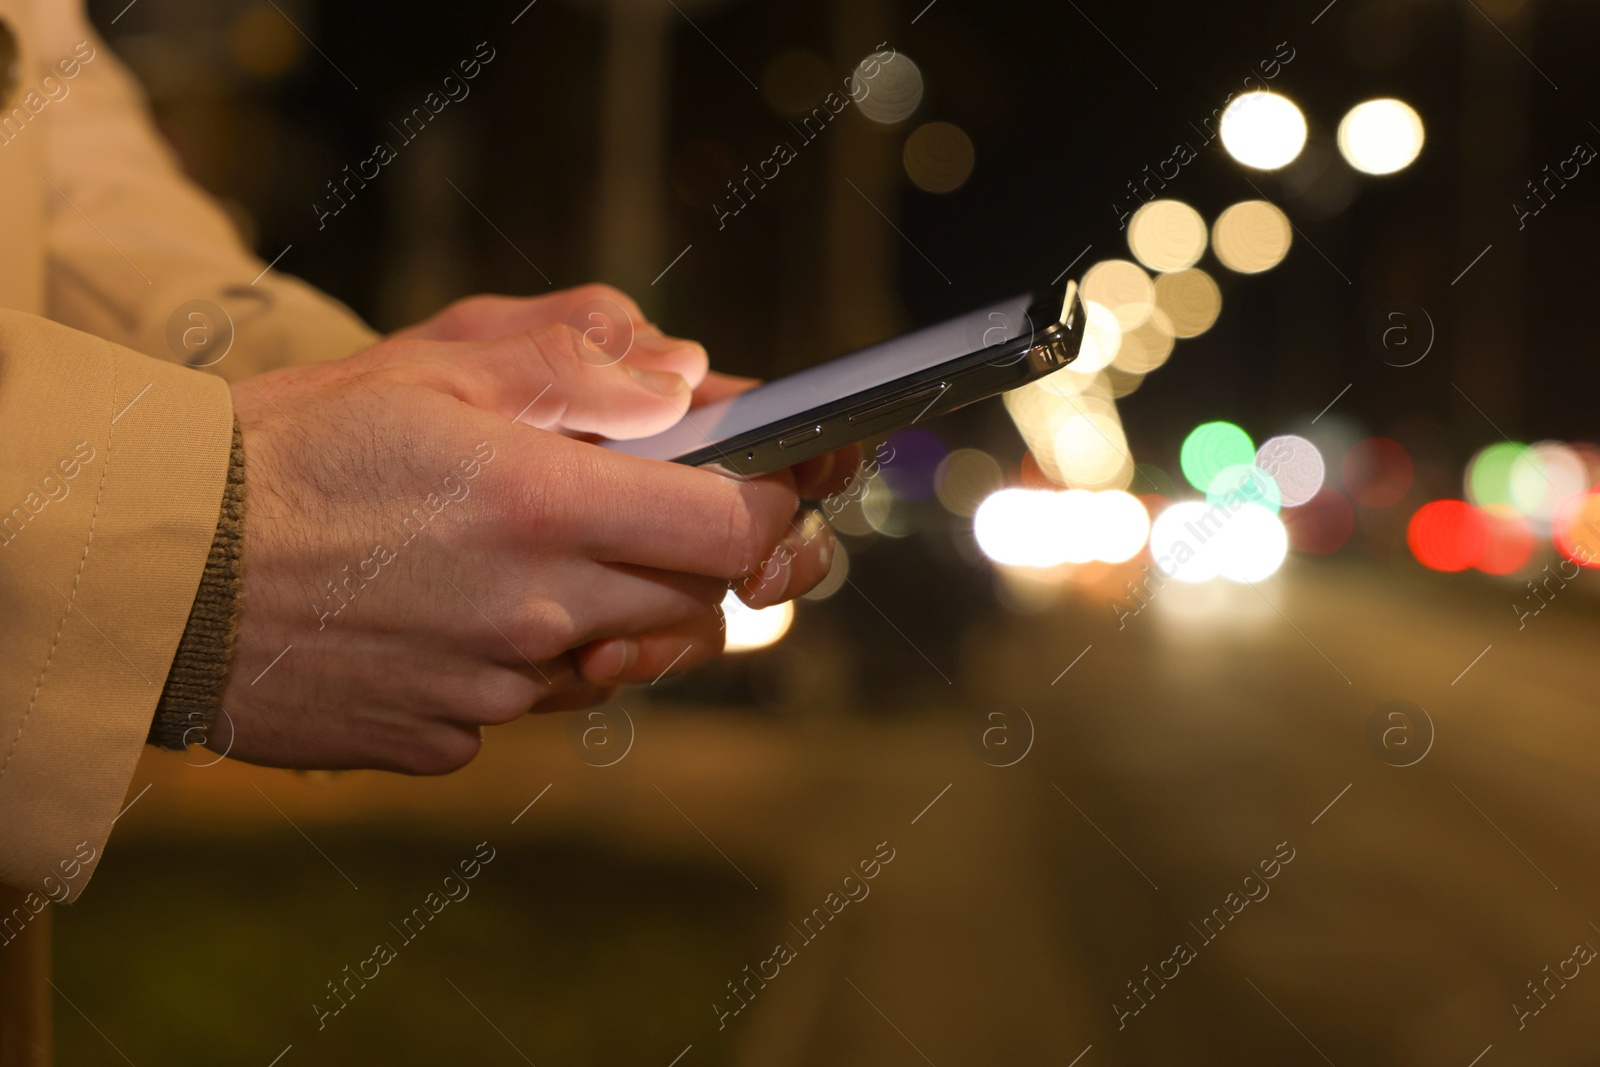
(133, 244)
(112, 463)
(112, 466)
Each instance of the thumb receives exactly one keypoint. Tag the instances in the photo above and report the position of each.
(547, 377)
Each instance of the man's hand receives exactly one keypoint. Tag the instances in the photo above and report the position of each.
(424, 543)
(612, 328)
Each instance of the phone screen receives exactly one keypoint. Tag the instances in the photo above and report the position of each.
(794, 395)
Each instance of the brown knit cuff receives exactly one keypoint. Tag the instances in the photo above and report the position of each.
(193, 693)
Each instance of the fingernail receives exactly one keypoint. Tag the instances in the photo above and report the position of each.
(664, 382)
(790, 549)
(626, 654)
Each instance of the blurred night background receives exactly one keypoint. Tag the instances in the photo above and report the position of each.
(1379, 321)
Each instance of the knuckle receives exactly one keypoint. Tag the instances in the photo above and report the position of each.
(556, 346)
(545, 629)
(599, 292)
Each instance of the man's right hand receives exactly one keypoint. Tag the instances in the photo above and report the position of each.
(424, 545)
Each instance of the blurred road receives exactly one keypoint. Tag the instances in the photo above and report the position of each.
(1222, 729)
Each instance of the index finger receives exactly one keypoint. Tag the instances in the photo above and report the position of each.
(647, 512)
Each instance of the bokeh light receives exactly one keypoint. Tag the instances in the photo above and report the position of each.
(1447, 535)
(1042, 408)
(1577, 529)
(894, 91)
(1142, 350)
(1489, 473)
(1295, 465)
(1043, 528)
(1195, 542)
(1377, 472)
(1120, 526)
(964, 478)
(1546, 477)
(1190, 300)
(1251, 545)
(749, 628)
(1381, 136)
(1167, 235)
(1122, 287)
(1508, 541)
(1176, 546)
(1251, 236)
(1122, 382)
(1092, 452)
(917, 455)
(1210, 449)
(1102, 339)
(1263, 130)
(1069, 521)
(1007, 527)
(1245, 483)
(938, 157)
(879, 506)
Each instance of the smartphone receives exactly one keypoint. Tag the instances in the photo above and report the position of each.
(907, 380)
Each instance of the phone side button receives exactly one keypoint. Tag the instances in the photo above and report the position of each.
(810, 433)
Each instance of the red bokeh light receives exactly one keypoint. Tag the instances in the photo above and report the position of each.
(1377, 472)
(1508, 542)
(1448, 535)
(1322, 524)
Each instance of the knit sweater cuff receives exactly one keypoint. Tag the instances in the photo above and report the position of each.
(193, 692)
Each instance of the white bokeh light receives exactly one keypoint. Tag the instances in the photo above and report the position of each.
(1544, 478)
(1381, 136)
(1263, 130)
(1252, 545)
(1120, 525)
(1044, 528)
(1295, 465)
(750, 628)
(892, 87)
(1102, 336)
(1176, 545)
(1195, 542)
(1009, 527)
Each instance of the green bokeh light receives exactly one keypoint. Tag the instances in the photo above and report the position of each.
(1212, 448)
(1489, 474)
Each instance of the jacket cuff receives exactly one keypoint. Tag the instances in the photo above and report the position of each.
(193, 691)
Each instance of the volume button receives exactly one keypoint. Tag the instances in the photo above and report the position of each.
(808, 434)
